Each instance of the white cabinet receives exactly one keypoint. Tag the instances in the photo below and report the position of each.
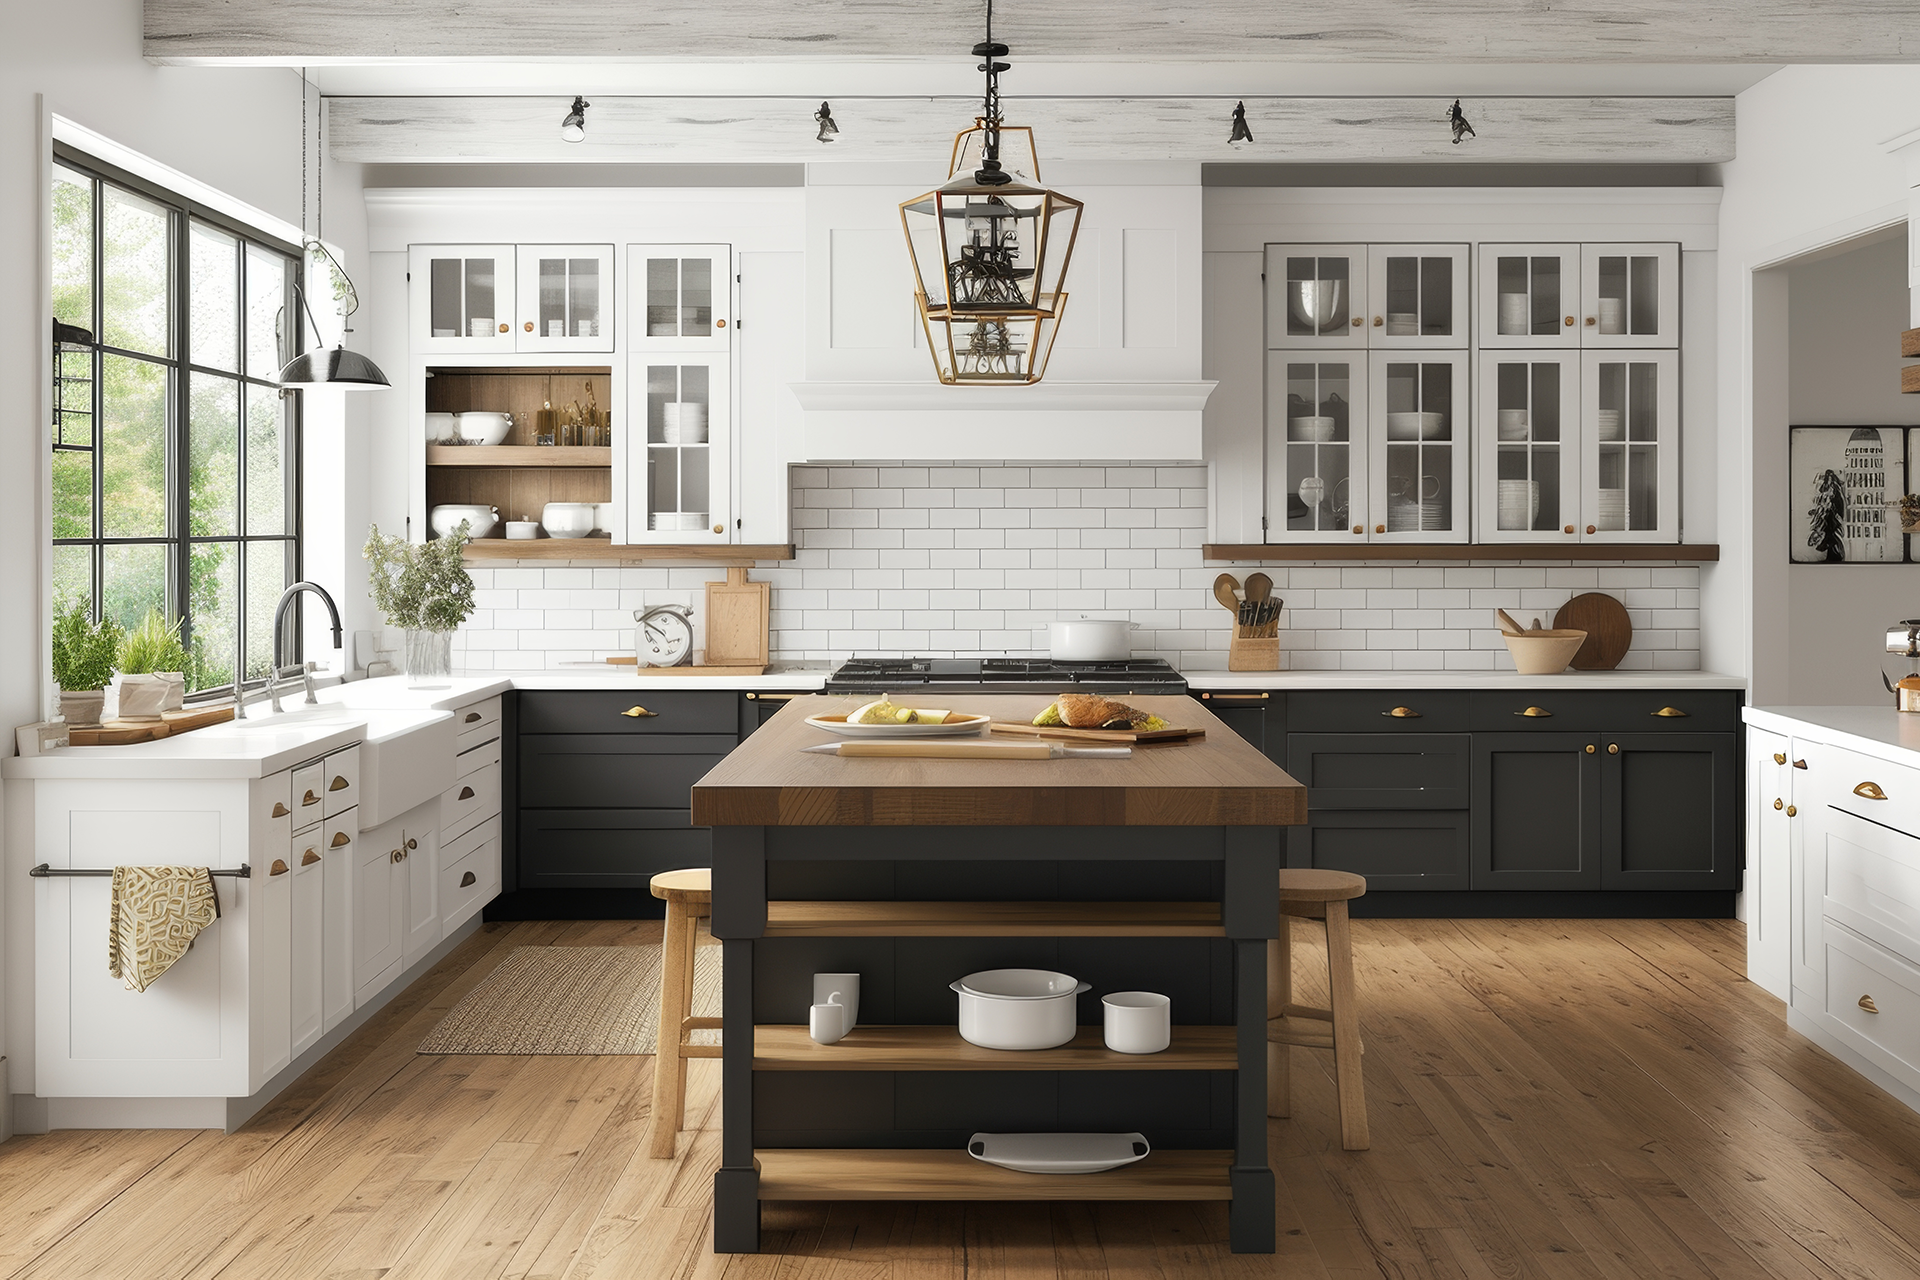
(1316, 445)
(1315, 295)
(269, 960)
(1630, 295)
(565, 298)
(1630, 418)
(379, 909)
(1528, 439)
(1769, 880)
(338, 844)
(307, 939)
(680, 447)
(419, 868)
(461, 298)
(1417, 296)
(1418, 432)
(679, 297)
(1529, 295)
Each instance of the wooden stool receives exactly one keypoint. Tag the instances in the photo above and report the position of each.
(1313, 894)
(689, 899)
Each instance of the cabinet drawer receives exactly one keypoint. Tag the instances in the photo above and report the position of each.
(1869, 880)
(1873, 1003)
(1381, 770)
(342, 781)
(477, 758)
(308, 801)
(1851, 782)
(1393, 850)
(607, 848)
(476, 724)
(611, 771)
(469, 874)
(272, 812)
(655, 711)
(1364, 711)
(1602, 710)
(474, 797)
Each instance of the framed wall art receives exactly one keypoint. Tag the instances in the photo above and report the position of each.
(1845, 486)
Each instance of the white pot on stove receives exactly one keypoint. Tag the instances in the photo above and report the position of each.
(1085, 639)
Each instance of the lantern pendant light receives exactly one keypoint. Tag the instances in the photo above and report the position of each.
(990, 250)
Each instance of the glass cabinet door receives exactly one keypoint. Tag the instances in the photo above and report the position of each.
(1632, 294)
(1529, 295)
(1417, 295)
(1315, 295)
(1316, 446)
(462, 297)
(1630, 418)
(680, 407)
(1528, 411)
(680, 296)
(1418, 429)
(566, 297)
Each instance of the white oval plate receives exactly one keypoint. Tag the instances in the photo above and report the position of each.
(1058, 1152)
(956, 725)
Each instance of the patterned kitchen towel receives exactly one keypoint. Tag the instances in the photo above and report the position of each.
(156, 914)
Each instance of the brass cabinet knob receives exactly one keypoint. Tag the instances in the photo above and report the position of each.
(310, 857)
(1534, 713)
(720, 528)
(1356, 322)
(279, 868)
(466, 793)
(1359, 528)
(719, 324)
(1569, 322)
(529, 326)
(280, 810)
(1591, 748)
(1379, 528)
(1569, 528)
(1869, 791)
(1591, 322)
(467, 879)
(1613, 748)
(1378, 321)
(394, 856)
(1779, 757)
(503, 327)
(1791, 811)
(1779, 804)
(636, 713)
(1402, 713)
(1866, 1002)
(1591, 529)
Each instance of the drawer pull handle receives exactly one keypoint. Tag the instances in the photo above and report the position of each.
(1866, 1002)
(1613, 748)
(1591, 748)
(1244, 697)
(635, 713)
(310, 799)
(1534, 712)
(1791, 811)
(280, 810)
(279, 868)
(1779, 804)
(310, 857)
(1799, 764)
(1869, 791)
(466, 793)
(1672, 713)
(1779, 757)
(472, 716)
(467, 879)
(340, 840)
(1402, 713)
(773, 697)
(338, 784)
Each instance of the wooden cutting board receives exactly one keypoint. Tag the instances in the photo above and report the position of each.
(738, 612)
(119, 733)
(1096, 735)
(1609, 630)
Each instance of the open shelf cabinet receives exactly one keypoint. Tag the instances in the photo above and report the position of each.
(517, 476)
(896, 1174)
(797, 919)
(788, 1047)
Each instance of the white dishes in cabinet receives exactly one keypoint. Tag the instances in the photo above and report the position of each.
(482, 427)
(567, 519)
(1058, 1152)
(1611, 510)
(480, 518)
(1519, 503)
(441, 428)
(1511, 424)
(1313, 429)
(684, 422)
(684, 521)
(1610, 424)
(1417, 426)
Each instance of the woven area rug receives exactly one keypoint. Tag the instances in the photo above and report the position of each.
(572, 1000)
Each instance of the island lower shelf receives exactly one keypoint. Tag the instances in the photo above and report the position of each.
(854, 1173)
(788, 1047)
(793, 918)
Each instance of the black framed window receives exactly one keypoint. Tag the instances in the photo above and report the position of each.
(175, 455)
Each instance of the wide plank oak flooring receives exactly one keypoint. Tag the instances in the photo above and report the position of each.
(1602, 1100)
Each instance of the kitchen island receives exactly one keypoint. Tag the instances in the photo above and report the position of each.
(1154, 872)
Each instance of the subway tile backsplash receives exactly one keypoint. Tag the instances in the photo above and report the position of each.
(971, 560)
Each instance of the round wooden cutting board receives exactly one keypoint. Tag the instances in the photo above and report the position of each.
(1609, 631)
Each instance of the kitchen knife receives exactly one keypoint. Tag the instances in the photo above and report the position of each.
(927, 749)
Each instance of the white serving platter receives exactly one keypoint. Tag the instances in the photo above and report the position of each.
(959, 724)
(1058, 1152)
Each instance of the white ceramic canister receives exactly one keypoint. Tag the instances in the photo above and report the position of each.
(1019, 1008)
(1137, 1021)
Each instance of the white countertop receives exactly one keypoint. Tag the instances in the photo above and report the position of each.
(252, 748)
(1282, 681)
(1880, 732)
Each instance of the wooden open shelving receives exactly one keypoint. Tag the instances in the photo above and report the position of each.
(519, 455)
(1270, 553)
(864, 1173)
(610, 552)
(840, 919)
(788, 1047)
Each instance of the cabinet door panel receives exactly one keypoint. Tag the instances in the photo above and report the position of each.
(1315, 295)
(1631, 294)
(1668, 803)
(1316, 445)
(657, 711)
(461, 298)
(1630, 465)
(565, 297)
(607, 848)
(379, 921)
(1381, 770)
(587, 770)
(1536, 810)
(268, 983)
(679, 297)
(306, 943)
(1527, 420)
(1418, 428)
(680, 447)
(421, 870)
(1769, 867)
(1529, 294)
(1417, 295)
(1393, 850)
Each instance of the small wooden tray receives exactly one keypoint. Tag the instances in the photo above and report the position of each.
(1096, 735)
(119, 733)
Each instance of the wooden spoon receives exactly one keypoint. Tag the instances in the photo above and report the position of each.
(1259, 588)
(1507, 624)
(1226, 589)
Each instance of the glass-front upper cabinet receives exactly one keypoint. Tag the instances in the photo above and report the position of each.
(461, 297)
(1419, 452)
(1529, 295)
(1316, 294)
(680, 480)
(1417, 295)
(1316, 446)
(1528, 416)
(566, 297)
(680, 296)
(1630, 417)
(1631, 294)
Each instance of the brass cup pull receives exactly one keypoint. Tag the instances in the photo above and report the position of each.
(340, 840)
(279, 868)
(1791, 811)
(1779, 804)
(310, 857)
(310, 798)
(635, 713)
(1591, 748)
(1534, 713)
(466, 793)
(1866, 1002)
(338, 784)
(1675, 713)
(1870, 791)
(1402, 713)
(280, 810)
(1613, 748)
(467, 879)
(472, 716)
(1779, 757)
(1799, 764)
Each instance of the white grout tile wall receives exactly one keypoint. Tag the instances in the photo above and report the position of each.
(969, 560)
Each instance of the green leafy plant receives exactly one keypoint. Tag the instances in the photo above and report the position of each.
(419, 586)
(153, 645)
(83, 650)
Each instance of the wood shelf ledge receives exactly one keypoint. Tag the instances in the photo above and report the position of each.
(1266, 553)
(518, 455)
(799, 919)
(866, 1173)
(787, 1047)
(607, 551)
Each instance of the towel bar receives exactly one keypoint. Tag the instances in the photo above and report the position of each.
(43, 870)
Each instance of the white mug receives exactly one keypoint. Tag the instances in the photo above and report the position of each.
(1138, 1021)
(839, 988)
(826, 1023)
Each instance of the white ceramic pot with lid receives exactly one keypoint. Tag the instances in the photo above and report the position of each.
(1019, 1008)
(1085, 639)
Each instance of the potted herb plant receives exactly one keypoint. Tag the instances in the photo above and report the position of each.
(153, 666)
(423, 589)
(83, 653)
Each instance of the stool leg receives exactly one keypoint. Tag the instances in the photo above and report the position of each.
(686, 1007)
(1279, 996)
(1346, 1030)
(669, 1068)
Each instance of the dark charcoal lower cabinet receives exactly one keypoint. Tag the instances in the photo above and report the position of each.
(1389, 806)
(1537, 800)
(1669, 804)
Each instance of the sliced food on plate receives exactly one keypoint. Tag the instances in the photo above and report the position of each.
(1090, 711)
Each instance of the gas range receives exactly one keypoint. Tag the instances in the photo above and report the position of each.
(1005, 675)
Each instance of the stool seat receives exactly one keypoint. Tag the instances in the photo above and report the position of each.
(691, 884)
(688, 893)
(1316, 893)
(1317, 884)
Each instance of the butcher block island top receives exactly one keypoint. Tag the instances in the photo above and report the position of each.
(1216, 780)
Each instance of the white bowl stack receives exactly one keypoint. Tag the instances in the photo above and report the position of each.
(1518, 502)
(1318, 429)
(1613, 315)
(681, 521)
(1612, 510)
(1611, 424)
(1403, 324)
(1513, 313)
(1511, 424)
(684, 423)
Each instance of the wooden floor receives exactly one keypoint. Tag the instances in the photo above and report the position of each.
(1582, 1099)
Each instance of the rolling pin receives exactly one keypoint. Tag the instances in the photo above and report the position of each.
(927, 750)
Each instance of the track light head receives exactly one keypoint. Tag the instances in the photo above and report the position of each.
(574, 127)
(1241, 135)
(824, 118)
(1457, 121)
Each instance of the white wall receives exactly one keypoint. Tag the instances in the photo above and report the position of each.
(1845, 313)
